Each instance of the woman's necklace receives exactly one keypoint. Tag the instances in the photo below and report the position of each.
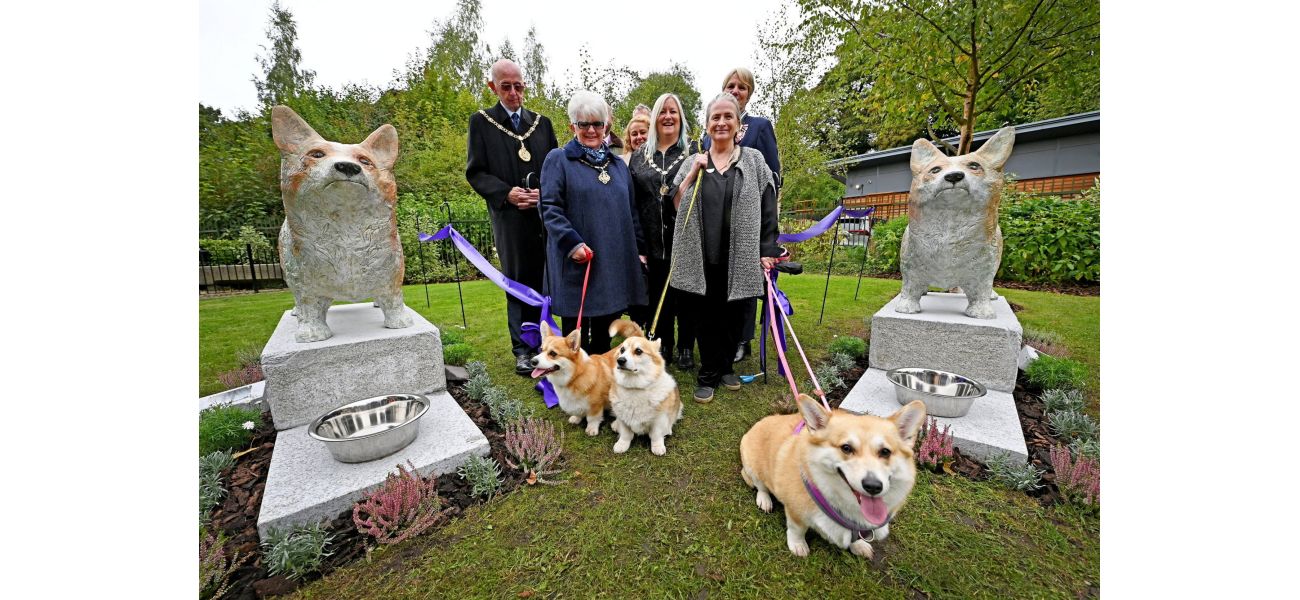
(663, 173)
(603, 178)
(524, 154)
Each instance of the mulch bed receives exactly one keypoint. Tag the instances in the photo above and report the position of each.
(237, 514)
(1073, 289)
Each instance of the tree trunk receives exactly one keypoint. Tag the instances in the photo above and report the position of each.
(968, 105)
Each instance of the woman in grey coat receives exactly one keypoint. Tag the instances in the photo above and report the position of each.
(724, 241)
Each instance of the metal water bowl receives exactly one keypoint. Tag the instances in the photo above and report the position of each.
(944, 394)
(371, 428)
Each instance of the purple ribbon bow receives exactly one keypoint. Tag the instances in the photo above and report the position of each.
(531, 331)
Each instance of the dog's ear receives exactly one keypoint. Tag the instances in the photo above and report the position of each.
(546, 330)
(383, 144)
(290, 132)
(574, 339)
(909, 420)
(995, 152)
(923, 153)
(657, 344)
(814, 414)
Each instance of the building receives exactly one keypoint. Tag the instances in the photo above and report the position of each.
(1060, 157)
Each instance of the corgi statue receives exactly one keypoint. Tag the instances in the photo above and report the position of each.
(339, 238)
(952, 237)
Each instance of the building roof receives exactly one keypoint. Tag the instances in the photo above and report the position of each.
(1060, 126)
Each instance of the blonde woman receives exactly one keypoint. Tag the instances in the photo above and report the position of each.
(634, 135)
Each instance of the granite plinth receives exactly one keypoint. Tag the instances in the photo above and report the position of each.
(306, 485)
(992, 426)
(942, 337)
(362, 360)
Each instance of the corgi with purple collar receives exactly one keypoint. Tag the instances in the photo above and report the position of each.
(841, 474)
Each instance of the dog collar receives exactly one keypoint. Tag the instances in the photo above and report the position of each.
(866, 533)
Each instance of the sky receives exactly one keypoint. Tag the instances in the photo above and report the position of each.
(364, 43)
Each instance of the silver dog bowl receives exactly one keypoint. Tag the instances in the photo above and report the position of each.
(944, 394)
(371, 428)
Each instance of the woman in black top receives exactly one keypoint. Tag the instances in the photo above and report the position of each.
(724, 241)
(654, 166)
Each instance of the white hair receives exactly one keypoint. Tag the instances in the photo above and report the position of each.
(587, 104)
(723, 97)
(683, 130)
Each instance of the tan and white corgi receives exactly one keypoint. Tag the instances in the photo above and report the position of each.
(582, 381)
(952, 237)
(842, 474)
(644, 398)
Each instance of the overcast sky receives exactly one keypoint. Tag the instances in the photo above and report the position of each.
(364, 42)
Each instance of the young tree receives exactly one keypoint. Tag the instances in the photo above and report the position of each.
(678, 80)
(282, 75)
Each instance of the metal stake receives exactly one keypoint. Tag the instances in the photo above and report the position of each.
(424, 276)
(831, 263)
(455, 261)
(863, 266)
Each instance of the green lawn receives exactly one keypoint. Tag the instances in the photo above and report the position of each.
(685, 525)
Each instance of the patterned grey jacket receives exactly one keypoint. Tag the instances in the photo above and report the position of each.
(751, 225)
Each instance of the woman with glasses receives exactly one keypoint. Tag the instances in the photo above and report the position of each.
(591, 222)
(653, 170)
(725, 237)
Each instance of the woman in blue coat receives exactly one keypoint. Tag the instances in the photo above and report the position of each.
(588, 209)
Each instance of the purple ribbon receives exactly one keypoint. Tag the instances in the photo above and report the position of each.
(531, 332)
(825, 224)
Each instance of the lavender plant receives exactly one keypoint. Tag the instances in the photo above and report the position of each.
(1057, 400)
(296, 552)
(1072, 425)
(841, 361)
(476, 368)
(532, 442)
(829, 377)
(404, 506)
(1014, 473)
(1088, 448)
(483, 475)
(210, 489)
(477, 386)
(505, 408)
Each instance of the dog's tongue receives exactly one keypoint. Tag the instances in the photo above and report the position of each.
(873, 509)
(539, 372)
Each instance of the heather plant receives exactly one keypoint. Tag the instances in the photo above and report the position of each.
(216, 565)
(532, 442)
(842, 362)
(483, 475)
(477, 386)
(476, 368)
(1089, 448)
(853, 346)
(1014, 473)
(1058, 400)
(503, 407)
(404, 506)
(222, 428)
(1051, 372)
(1072, 425)
(296, 552)
(456, 354)
(829, 377)
(936, 445)
(1079, 479)
(249, 370)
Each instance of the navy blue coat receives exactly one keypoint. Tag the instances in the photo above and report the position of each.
(757, 133)
(578, 209)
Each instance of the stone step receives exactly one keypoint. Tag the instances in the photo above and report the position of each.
(306, 485)
(992, 425)
(942, 337)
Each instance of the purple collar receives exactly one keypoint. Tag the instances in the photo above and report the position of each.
(867, 533)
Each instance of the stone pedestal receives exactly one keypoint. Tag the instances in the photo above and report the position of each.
(362, 360)
(305, 484)
(942, 337)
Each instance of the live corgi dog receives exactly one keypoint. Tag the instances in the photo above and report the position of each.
(582, 381)
(952, 237)
(339, 238)
(644, 397)
(842, 474)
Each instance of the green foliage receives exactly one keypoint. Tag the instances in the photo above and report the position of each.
(1050, 372)
(478, 385)
(1054, 400)
(678, 80)
(1013, 472)
(211, 491)
(483, 475)
(222, 428)
(282, 77)
(451, 335)
(1036, 337)
(828, 376)
(886, 241)
(842, 362)
(504, 408)
(1090, 448)
(456, 354)
(1051, 240)
(476, 368)
(855, 347)
(1072, 425)
(296, 552)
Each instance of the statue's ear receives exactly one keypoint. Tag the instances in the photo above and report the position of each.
(383, 145)
(923, 153)
(290, 132)
(995, 152)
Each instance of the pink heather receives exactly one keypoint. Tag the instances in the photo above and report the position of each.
(1077, 479)
(936, 445)
(532, 442)
(403, 506)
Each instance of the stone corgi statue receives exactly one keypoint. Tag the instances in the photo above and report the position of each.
(339, 238)
(952, 237)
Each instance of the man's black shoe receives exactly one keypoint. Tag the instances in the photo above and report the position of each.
(685, 359)
(742, 352)
(523, 365)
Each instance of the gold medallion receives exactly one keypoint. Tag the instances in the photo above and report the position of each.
(663, 190)
(603, 177)
(524, 155)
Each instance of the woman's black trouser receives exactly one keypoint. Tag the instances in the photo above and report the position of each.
(719, 324)
(595, 331)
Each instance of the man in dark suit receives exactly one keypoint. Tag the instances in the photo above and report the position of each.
(507, 144)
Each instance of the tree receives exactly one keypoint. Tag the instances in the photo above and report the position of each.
(678, 80)
(456, 47)
(282, 76)
(966, 65)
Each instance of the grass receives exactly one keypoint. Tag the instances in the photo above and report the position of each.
(637, 525)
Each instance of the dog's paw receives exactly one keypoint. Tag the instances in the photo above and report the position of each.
(980, 310)
(908, 307)
(401, 320)
(764, 501)
(658, 448)
(312, 332)
(862, 548)
(575, 419)
(593, 429)
(797, 547)
(621, 446)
